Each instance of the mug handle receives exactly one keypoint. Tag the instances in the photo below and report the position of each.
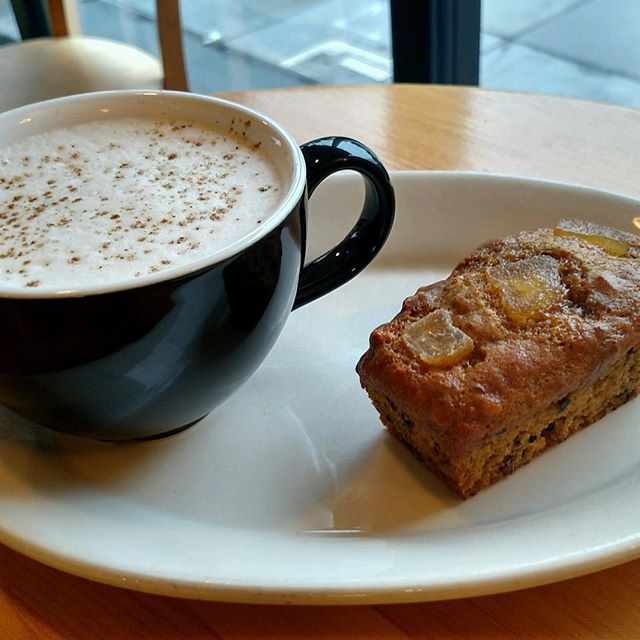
(323, 157)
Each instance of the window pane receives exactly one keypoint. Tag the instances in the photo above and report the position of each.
(237, 44)
(8, 28)
(582, 48)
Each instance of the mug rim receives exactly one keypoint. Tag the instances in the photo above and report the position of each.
(287, 204)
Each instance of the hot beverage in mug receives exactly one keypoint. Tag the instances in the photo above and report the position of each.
(118, 198)
(151, 248)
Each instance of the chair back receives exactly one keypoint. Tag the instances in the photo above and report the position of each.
(170, 39)
(64, 18)
(63, 15)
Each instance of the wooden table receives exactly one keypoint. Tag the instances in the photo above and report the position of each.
(411, 127)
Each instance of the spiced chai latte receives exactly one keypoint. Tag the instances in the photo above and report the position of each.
(115, 199)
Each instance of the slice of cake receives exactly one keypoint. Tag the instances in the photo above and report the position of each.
(531, 338)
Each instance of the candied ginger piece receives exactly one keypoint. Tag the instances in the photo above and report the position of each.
(608, 239)
(437, 341)
(528, 287)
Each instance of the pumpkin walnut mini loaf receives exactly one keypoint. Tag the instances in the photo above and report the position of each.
(530, 338)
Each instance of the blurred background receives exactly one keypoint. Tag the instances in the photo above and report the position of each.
(581, 48)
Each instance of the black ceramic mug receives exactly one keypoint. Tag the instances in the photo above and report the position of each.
(149, 356)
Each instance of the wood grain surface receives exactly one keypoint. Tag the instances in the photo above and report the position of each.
(410, 127)
(436, 127)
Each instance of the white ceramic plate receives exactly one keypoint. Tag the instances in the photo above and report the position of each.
(292, 491)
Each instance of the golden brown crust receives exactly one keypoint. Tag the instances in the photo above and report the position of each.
(517, 369)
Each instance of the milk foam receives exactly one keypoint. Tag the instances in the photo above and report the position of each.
(105, 201)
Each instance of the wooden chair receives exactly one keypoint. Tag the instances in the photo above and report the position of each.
(66, 63)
